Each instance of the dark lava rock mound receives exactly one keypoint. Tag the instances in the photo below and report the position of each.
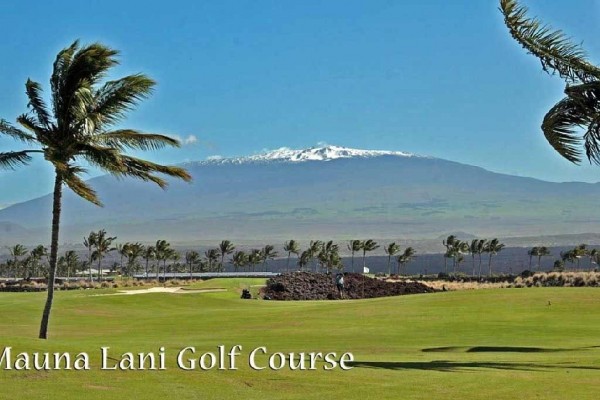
(313, 286)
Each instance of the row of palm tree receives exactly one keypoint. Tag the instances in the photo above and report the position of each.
(456, 249)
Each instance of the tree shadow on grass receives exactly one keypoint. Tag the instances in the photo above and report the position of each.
(500, 349)
(457, 366)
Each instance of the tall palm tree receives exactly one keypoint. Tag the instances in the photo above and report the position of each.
(405, 258)
(149, 254)
(493, 247)
(290, 246)
(212, 256)
(329, 256)
(304, 259)
(354, 246)
(568, 256)
(192, 258)
(254, 258)
(391, 250)
(267, 253)
(368, 246)
(71, 260)
(458, 249)
(36, 255)
(90, 242)
(102, 248)
(17, 251)
(533, 252)
(314, 248)
(476, 248)
(225, 248)
(134, 251)
(593, 255)
(76, 131)
(239, 259)
(448, 243)
(122, 251)
(558, 55)
(543, 251)
(162, 250)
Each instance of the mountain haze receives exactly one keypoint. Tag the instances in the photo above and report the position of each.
(321, 192)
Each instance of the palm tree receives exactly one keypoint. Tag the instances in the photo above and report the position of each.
(134, 251)
(212, 255)
(543, 251)
(239, 260)
(225, 247)
(291, 246)
(304, 259)
(71, 260)
(17, 251)
(267, 253)
(254, 258)
(405, 258)
(579, 109)
(579, 252)
(493, 247)
(36, 256)
(593, 255)
(477, 247)
(89, 243)
(367, 246)
(329, 256)
(192, 258)
(149, 254)
(459, 248)
(314, 248)
(76, 131)
(448, 243)
(122, 250)
(354, 246)
(162, 250)
(103, 247)
(391, 250)
(534, 252)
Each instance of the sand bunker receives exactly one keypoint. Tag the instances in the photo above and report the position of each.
(165, 290)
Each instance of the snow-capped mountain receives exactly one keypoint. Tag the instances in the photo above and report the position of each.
(317, 153)
(325, 192)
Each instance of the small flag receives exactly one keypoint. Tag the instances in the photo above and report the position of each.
(365, 270)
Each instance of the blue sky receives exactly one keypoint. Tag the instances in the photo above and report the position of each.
(433, 77)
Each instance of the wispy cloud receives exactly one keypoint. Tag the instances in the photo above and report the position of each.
(190, 139)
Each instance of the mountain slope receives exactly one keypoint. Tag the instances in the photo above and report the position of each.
(320, 193)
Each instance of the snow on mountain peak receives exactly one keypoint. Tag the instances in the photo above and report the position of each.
(319, 153)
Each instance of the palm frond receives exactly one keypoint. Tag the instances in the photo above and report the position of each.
(115, 98)
(8, 129)
(132, 139)
(144, 170)
(560, 128)
(82, 189)
(12, 159)
(36, 103)
(552, 47)
(59, 73)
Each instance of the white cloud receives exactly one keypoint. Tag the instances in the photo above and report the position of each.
(191, 139)
(214, 158)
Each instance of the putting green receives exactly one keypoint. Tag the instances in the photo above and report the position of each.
(486, 344)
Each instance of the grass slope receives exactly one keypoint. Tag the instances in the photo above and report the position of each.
(500, 344)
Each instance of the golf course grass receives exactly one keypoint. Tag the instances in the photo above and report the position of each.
(480, 344)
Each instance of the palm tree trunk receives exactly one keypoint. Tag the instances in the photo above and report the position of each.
(479, 266)
(473, 257)
(389, 265)
(287, 267)
(56, 203)
(364, 261)
(490, 266)
(353, 261)
(539, 266)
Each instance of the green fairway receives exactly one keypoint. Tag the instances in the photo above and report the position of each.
(486, 344)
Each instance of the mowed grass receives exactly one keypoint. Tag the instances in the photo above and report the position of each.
(485, 344)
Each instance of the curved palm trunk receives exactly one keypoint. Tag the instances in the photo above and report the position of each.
(389, 264)
(490, 266)
(287, 267)
(480, 266)
(353, 261)
(473, 257)
(53, 255)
